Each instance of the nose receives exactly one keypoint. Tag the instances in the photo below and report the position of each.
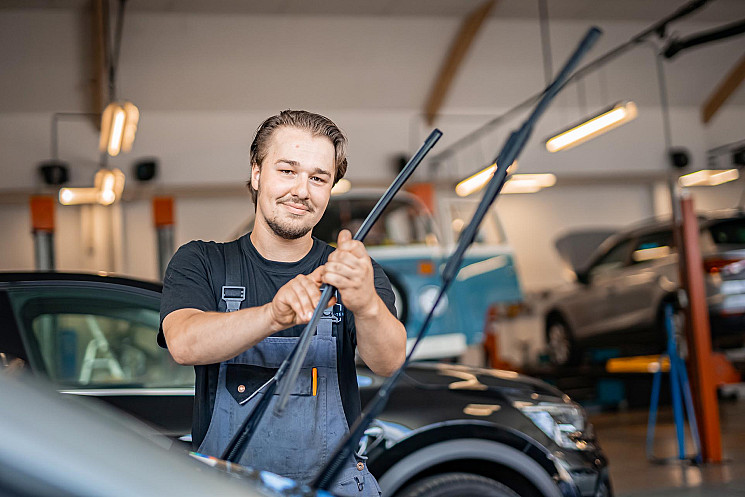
(300, 188)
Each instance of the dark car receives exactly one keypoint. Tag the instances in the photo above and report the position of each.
(619, 296)
(447, 428)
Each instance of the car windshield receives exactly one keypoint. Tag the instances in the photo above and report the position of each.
(403, 222)
(728, 232)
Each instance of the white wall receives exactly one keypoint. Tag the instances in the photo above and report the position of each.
(204, 82)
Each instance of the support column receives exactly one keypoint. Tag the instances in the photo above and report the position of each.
(698, 336)
(163, 220)
(42, 226)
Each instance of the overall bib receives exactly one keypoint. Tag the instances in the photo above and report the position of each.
(300, 442)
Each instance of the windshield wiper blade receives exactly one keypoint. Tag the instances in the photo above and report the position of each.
(292, 364)
(511, 149)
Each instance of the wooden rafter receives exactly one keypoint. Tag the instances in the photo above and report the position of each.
(458, 50)
(726, 88)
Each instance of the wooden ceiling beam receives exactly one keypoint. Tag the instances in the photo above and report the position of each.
(725, 89)
(458, 50)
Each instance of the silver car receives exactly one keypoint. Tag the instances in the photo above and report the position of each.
(619, 295)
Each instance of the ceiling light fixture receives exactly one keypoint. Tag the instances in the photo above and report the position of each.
(709, 177)
(118, 127)
(611, 118)
(109, 186)
(477, 181)
(341, 186)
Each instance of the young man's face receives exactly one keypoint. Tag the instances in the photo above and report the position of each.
(294, 182)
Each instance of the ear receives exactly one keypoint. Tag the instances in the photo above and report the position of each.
(255, 173)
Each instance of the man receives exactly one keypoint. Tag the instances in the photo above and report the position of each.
(296, 158)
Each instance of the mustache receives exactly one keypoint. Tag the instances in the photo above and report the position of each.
(296, 200)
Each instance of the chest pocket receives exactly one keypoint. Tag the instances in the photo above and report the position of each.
(243, 380)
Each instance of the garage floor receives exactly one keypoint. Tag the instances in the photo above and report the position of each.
(623, 437)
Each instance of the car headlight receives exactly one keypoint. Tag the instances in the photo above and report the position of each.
(427, 297)
(565, 424)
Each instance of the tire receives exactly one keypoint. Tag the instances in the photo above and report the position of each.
(562, 349)
(457, 485)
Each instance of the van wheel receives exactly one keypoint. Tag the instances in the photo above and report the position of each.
(457, 484)
(562, 349)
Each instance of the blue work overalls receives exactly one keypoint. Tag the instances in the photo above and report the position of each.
(298, 444)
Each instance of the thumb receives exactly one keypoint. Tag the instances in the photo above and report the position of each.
(317, 274)
(344, 235)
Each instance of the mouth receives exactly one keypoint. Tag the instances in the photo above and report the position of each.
(298, 209)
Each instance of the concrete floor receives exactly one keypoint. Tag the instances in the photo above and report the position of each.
(623, 438)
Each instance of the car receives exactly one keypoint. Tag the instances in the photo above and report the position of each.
(55, 445)
(446, 428)
(620, 293)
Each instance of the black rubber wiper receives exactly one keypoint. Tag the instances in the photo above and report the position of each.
(291, 365)
(511, 149)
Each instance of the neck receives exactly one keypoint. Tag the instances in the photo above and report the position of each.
(276, 248)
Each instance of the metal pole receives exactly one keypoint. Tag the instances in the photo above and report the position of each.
(42, 228)
(163, 221)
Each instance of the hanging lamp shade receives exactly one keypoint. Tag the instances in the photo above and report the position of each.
(118, 127)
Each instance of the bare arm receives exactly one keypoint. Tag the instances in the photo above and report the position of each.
(381, 338)
(198, 337)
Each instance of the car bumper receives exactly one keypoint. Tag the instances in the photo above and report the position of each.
(588, 475)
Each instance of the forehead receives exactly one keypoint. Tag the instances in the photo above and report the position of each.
(302, 146)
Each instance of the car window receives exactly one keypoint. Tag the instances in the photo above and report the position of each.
(615, 258)
(402, 223)
(653, 246)
(728, 232)
(460, 213)
(96, 337)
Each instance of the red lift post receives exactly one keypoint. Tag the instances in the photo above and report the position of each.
(701, 360)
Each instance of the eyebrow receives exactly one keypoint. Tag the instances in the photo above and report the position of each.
(293, 163)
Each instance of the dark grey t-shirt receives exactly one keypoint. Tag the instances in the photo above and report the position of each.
(194, 279)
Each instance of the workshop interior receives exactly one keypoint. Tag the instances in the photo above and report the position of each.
(551, 188)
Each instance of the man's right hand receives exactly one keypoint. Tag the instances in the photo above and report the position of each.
(295, 302)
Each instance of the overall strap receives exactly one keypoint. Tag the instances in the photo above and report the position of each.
(232, 293)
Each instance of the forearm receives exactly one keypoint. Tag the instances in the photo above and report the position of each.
(197, 337)
(381, 339)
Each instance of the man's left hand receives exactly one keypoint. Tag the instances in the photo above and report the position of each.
(350, 270)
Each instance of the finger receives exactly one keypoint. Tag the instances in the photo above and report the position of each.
(317, 274)
(340, 281)
(344, 236)
(344, 270)
(304, 298)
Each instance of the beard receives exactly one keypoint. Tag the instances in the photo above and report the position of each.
(288, 231)
(286, 228)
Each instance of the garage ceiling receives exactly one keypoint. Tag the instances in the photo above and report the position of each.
(717, 11)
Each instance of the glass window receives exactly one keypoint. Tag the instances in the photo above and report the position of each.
(615, 258)
(96, 337)
(460, 213)
(402, 222)
(730, 231)
(653, 246)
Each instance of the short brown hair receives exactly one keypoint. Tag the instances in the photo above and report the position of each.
(316, 124)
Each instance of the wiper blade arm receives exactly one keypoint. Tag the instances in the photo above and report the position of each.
(511, 149)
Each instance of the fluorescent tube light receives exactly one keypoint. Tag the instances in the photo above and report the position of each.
(341, 186)
(709, 177)
(118, 127)
(477, 181)
(617, 115)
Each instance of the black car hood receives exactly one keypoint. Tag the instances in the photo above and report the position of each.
(440, 376)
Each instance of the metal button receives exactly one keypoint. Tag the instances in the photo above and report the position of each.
(241, 388)
(360, 466)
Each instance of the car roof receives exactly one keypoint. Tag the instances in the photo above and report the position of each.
(36, 276)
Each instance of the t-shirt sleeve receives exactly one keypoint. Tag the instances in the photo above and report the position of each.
(383, 287)
(186, 284)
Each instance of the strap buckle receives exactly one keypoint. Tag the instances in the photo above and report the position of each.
(233, 296)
